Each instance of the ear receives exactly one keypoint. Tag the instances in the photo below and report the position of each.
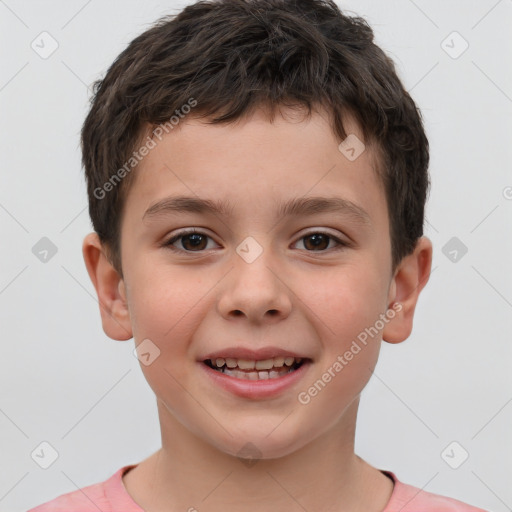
(410, 278)
(110, 288)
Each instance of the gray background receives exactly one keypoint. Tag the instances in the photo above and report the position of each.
(63, 381)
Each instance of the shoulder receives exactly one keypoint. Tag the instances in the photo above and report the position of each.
(407, 498)
(88, 499)
(99, 496)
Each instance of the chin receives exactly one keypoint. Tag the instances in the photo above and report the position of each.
(254, 444)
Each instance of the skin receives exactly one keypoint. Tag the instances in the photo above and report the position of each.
(295, 296)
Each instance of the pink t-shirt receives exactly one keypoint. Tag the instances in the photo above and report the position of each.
(111, 496)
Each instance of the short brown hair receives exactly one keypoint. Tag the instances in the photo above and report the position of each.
(232, 56)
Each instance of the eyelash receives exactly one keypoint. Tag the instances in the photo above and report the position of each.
(168, 244)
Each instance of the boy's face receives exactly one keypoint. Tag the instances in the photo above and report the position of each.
(258, 280)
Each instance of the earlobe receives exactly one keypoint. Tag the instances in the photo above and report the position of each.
(409, 280)
(110, 290)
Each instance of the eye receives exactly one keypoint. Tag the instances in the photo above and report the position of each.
(197, 241)
(191, 241)
(319, 241)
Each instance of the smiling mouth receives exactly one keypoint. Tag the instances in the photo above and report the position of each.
(266, 369)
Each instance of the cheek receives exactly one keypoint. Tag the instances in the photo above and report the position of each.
(164, 308)
(346, 303)
(166, 315)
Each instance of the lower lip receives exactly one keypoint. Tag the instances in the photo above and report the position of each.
(265, 388)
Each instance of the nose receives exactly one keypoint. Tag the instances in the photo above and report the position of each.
(255, 290)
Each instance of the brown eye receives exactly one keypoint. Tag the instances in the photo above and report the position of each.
(319, 242)
(193, 241)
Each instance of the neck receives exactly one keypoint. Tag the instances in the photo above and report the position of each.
(189, 473)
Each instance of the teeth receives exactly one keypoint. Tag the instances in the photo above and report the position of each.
(263, 369)
(263, 364)
(245, 364)
(266, 364)
(278, 361)
(261, 375)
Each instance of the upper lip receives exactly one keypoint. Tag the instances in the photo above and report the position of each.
(251, 354)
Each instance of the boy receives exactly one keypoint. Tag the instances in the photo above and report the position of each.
(257, 177)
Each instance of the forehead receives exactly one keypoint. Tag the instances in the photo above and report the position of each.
(254, 165)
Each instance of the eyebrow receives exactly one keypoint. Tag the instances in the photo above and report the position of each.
(295, 207)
